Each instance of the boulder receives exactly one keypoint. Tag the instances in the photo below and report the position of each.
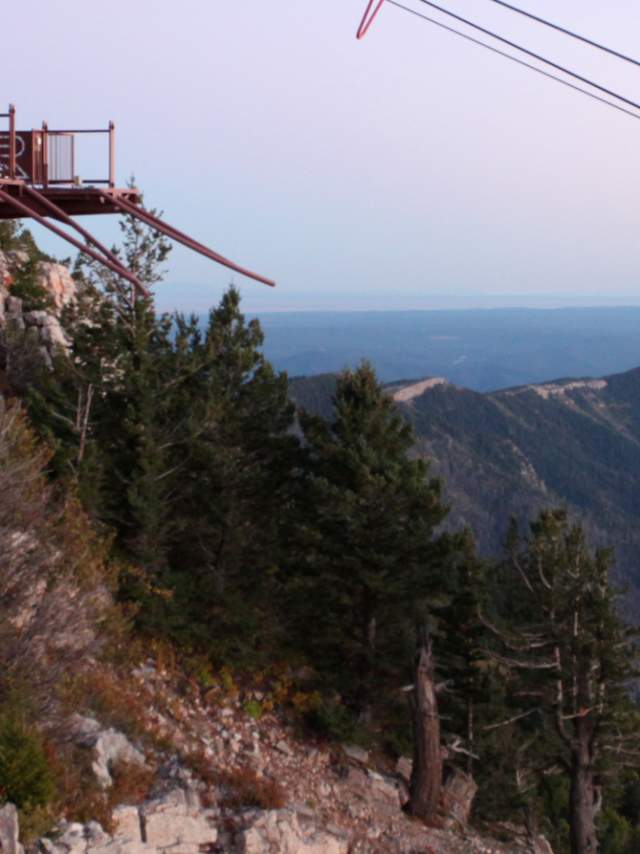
(36, 318)
(174, 822)
(458, 793)
(57, 281)
(355, 753)
(127, 824)
(52, 333)
(13, 306)
(279, 832)
(15, 259)
(72, 839)
(403, 769)
(109, 746)
(9, 830)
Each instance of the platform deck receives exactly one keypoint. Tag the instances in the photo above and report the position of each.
(74, 201)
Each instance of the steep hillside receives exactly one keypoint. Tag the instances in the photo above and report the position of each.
(573, 442)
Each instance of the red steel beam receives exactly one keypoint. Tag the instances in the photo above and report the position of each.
(58, 213)
(180, 236)
(368, 18)
(12, 141)
(118, 269)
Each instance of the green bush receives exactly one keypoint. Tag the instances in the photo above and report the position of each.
(331, 720)
(27, 287)
(254, 709)
(26, 779)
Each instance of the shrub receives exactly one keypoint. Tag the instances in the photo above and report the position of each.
(131, 783)
(254, 709)
(331, 720)
(54, 573)
(26, 779)
(245, 789)
(27, 286)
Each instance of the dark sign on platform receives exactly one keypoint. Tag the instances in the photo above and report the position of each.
(28, 154)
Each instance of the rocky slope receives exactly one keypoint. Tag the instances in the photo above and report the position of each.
(230, 779)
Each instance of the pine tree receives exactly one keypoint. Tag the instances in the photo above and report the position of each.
(105, 408)
(235, 483)
(366, 566)
(570, 658)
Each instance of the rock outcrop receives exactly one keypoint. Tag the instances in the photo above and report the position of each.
(109, 747)
(175, 823)
(42, 328)
(9, 830)
(280, 832)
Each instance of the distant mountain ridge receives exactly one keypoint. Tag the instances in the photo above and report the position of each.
(484, 350)
(573, 442)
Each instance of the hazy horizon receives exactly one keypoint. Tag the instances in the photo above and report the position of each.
(401, 168)
(200, 301)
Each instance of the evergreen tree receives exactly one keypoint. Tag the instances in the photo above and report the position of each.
(470, 703)
(366, 566)
(570, 659)
(105, 408)
(235, 484)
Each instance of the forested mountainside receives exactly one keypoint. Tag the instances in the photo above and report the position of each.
(511, 452)
(214, 609)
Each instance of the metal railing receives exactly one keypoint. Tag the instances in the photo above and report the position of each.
(48, 157)
(8, 148)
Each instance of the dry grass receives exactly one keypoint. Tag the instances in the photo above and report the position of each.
(80, 797)
(240, 787)
(243, 788)
(131, 783)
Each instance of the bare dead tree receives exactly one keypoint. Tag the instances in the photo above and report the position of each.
(52, 578)
(426, 775)
(571, 659)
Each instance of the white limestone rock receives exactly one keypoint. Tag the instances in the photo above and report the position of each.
(9, 830)
(127, 824)
(356, 753)
(109, 746)
(57, 281)
(177, 821)
(13, 306)
(71, 840)
(36, 318)
(279, 832)
(52, 333)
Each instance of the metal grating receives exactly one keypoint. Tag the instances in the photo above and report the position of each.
(60, 156)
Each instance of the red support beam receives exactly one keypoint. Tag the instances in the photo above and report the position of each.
(181, 237)
(12, 142)
(58, 213)
(117, 268)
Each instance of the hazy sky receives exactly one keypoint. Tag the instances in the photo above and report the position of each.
(408, 170)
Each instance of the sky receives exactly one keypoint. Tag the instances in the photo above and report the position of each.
(408, 170)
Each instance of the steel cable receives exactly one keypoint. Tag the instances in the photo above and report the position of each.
(530, 53)
(567, 32)
(514, 59)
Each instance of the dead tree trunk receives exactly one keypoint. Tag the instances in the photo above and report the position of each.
(426, 775)
(582, 799)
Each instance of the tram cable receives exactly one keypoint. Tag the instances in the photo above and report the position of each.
(567, 32)
(515, 59)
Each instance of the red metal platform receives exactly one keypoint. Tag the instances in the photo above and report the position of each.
(38, 181)
(74, 201)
